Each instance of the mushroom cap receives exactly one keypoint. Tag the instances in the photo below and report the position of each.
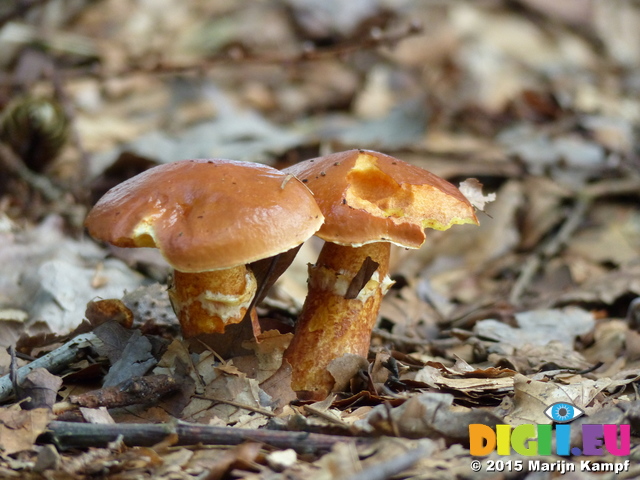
(207, 215)
(369, 197)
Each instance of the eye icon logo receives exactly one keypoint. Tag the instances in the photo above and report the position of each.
(563, 412)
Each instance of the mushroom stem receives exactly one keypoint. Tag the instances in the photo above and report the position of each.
(336, 318)
(207, 302)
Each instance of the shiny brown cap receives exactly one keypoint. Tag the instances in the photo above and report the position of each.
(369, 197)
(207, 214)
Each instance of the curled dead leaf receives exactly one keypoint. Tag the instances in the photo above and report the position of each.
(20, 428)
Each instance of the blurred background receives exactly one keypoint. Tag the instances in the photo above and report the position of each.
(538, 99)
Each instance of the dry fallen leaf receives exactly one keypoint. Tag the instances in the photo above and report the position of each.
(539, 327)
(278, 387)
(229, 398)
(41, 387)
(478, 386)
(101, 311)
(529, 359)
(268, 350)
(96, 415)
(20, 428)
(344, 368)
(134, 360)
(426, 415)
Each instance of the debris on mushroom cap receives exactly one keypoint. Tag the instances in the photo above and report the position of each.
(207, 214)
(369, 197)
(472, 189)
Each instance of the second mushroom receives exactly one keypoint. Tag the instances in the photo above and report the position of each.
(370, 200)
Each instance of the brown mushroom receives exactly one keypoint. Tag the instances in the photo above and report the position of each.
(209, 218)
(370, 200)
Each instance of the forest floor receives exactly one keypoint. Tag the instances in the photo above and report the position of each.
(488, 325)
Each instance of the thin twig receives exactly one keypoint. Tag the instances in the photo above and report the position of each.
(585, 198)
(550, 248)
(401, 339)
(213, 352)
(13, 164)
(70, 435)
(622, 186)
(52, 361)
(13, 369)
(259, 410)
(133, 391)
(307, 54)
(326, 416)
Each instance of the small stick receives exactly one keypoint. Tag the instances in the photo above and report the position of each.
(71, 434)
(261, 411)
(285, 181)
(586, 197)
(134, 391)
(13, 164)
(13, 370)
(375, 40)
(324, 415)
(52, 361)
(402, 339)
(551, 248)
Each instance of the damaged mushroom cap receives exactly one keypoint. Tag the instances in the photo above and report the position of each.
(207, 215)
(369, 201)
(369, 197)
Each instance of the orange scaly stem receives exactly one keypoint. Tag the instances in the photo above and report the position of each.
(331, 325)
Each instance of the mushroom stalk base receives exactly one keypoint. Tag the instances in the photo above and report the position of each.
(331, 325)
(209, 301)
